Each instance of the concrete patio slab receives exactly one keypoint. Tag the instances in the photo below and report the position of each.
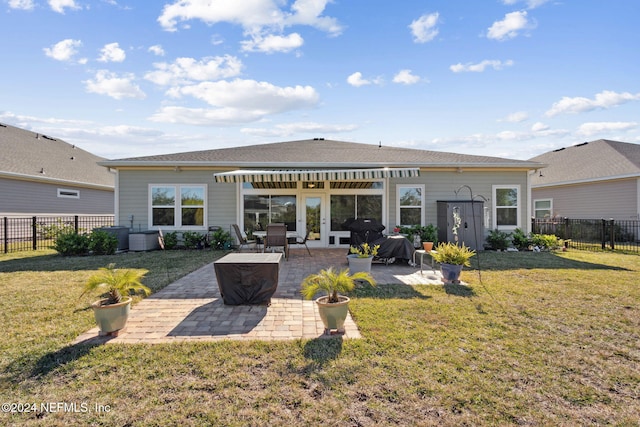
(190, 309)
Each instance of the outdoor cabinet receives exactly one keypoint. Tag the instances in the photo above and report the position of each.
(471, 230)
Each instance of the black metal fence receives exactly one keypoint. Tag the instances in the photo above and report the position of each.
(40, 232)
(592, 234)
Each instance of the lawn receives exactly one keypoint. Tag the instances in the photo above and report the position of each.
(536, 339)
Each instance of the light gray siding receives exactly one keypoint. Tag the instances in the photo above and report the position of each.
(134, 196)
(30, 197)
(442, 185)
(595, 200)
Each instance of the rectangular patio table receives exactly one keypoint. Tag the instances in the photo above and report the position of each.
(247, 278)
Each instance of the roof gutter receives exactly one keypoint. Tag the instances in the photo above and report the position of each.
(24, 177)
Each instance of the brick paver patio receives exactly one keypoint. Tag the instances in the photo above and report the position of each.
(191, 307)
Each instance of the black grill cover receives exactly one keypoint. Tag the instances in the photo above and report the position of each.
(370, 231)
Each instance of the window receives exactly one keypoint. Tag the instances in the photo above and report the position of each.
(348, 206)
(410, 205)
(542, 208)
(69, 194)
(181, 206)
(263, 209)
(506, 207)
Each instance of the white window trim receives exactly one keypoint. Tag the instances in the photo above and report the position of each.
(75, 194)
(178, 207)
(494, 188)
(399, 187)
(543, 200)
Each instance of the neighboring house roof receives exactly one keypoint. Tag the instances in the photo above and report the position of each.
(36, 157)
(320, 153)
(589, 161)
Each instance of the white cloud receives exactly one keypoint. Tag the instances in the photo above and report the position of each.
(237, 101)
(510, 26)
(112, 53)
(356, 80)
(405, 77)
(592, 128)
(603, 100)
(64, 50)
(531, 4)
(110, 84)
(157, 50)
(21, 4)
(252, 15)
(188, 70)
(481, 66)
(285, 130)
(424, 28)
(517, 117)
(273, 43)
(60, 5)
(539, 127)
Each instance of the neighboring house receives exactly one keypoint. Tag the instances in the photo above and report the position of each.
(592, 180)
(41, 175)
(315, 185)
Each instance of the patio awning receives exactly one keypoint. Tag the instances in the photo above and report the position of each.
(314, 175)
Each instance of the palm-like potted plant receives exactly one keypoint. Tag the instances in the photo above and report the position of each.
(452, 258)
(112, 311)
(360, 257)
(333, 307)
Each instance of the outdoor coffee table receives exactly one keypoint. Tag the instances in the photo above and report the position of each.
(247, 278)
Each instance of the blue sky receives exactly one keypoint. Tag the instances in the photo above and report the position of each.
(508, 78)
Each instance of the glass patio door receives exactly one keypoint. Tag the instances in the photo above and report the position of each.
(313, 220)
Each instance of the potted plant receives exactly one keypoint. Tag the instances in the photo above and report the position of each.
(333, 307)
(452, 258)
(360, 257)
(428, 236)
(112, 311)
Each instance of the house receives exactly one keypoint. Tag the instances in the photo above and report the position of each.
(591, 180)
(314, 186)
(41, 175)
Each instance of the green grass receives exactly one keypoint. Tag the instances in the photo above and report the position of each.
(541, 339)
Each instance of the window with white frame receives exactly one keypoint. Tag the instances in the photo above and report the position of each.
(177, 205)
(68, 194)
(410, 204)
(542, 208)
(506, 207)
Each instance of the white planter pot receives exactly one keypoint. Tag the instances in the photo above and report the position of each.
(357, 264)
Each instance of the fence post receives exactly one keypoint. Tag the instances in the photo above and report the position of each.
(612, 233)
(75, 223)
(533, 224)
(34, 232)
(603, 233)
(6, 235)
(566, 228)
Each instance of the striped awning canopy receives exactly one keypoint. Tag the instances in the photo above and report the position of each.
(314, 175)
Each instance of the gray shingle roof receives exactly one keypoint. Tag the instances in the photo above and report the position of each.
(318, 153)
(594, 160)
(36, 156)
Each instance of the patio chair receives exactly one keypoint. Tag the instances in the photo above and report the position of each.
(303, 241)
(242, 239)
(276, 238)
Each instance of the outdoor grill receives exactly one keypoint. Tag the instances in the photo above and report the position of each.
(392, 248)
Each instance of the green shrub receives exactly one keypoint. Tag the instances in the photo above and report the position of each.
(221, 239)
(498, 240)
(545, 241)
(192, 239)
(51, 231)
(72, 244)
(103, 243)
(520, 239)
(171, 240)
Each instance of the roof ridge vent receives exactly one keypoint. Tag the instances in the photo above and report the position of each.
(48, 137)
(581, 144)
(318, 139)
(559, 149)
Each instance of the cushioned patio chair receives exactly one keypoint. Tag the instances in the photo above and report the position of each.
(242, 239)
(276, 239)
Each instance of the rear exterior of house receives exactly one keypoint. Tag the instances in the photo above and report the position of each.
(41, 175)
(591, 180)
(314, 186)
